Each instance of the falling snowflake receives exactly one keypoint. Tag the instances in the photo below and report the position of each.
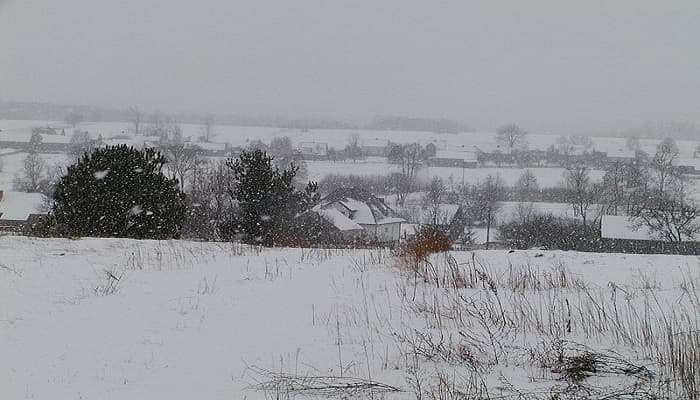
(99, 175)
(135, 210)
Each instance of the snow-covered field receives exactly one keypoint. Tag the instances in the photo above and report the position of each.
(241, 135)
(123, 319)
(546, 177)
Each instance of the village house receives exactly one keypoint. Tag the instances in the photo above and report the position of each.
(19, 210)
(358, 214)
(313, 150)
(375, 147)
(455, 159)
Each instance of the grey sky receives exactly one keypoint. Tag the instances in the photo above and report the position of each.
(546, 64)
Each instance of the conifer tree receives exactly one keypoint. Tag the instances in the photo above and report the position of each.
(118, 191)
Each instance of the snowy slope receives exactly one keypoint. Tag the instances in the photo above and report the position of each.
(190, 320)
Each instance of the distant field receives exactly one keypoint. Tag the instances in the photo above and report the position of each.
(240, 136)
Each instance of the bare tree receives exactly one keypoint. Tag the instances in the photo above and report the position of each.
(212, 208)
(182, 161)
(662, 168)
(614, 187)
(633, 143)
(526, 186)
(526, 189)
(432, 200)
(35, 141)
(285, 155)
(353, 149)
(670, 215)
(582, 192)
(563, 145)
(32, 175)
(208, 128)
(484, 202)
(582, 141)
(74, 119)
(136, 119)
(80, 143)
(410, 158)
(511, 136)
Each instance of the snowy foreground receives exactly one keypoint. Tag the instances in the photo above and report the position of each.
(122, 319)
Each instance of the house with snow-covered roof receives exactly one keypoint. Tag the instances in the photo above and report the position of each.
(360, 214)
(19, 210)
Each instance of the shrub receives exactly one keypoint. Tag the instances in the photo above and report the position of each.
(429, 240)
(118, 191)
(552, 233)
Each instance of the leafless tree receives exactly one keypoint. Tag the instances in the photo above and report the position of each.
(511, 136)
(582, 191)
(583, 141)
(410, 158)
(526, 186)
(32, 175)
(662, 164)
(633, 143)
(563, 145)
(353, 149)
(74, 119)
(401, 186)
(432, 200)
(484, 202)
(208, 128)
(213, 209)
(136, 119)
(614, 187)
(80, 143)
(670, 215)
(182, 161)
(285, 155)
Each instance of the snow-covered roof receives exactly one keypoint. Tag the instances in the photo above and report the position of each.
(456, 155)
(17, 206)
(25, 137)
(390, 220)
(338, 220)
(210, 146)
(622, 227)
(365, 208)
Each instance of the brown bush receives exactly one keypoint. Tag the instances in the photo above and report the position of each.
(428, 241)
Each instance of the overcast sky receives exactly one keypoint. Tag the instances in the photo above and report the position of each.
(548, 65)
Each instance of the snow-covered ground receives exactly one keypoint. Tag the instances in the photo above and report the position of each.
(241, 135)
(123, 319)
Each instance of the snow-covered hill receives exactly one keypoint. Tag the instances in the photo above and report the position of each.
(123, 319)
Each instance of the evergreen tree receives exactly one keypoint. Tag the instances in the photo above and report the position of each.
(266, 197)
(118, 191)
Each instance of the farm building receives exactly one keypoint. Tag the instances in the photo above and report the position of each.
(313, 150)
(359, 214)
(456, 159)
(18, 210)
(375, 147)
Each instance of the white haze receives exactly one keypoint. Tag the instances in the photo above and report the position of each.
(545, 64)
